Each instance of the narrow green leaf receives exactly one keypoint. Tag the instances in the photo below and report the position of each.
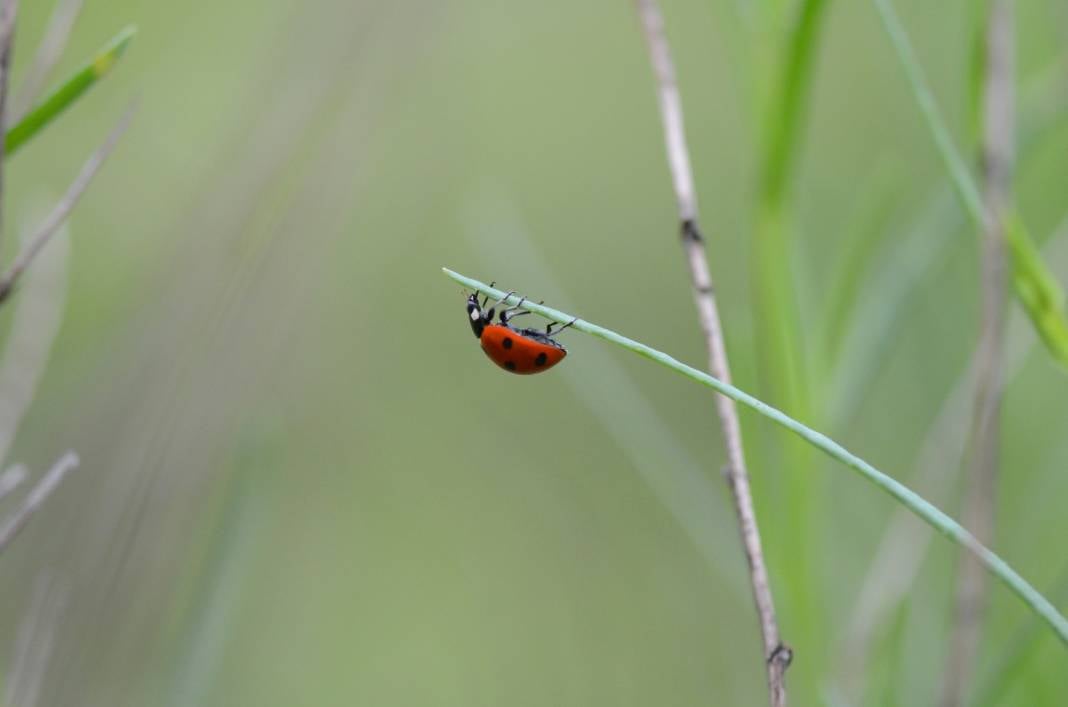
(1033, 283)
(784, 120)
(60, 99)
(783, 367)
(1037, 289)
(926, 511)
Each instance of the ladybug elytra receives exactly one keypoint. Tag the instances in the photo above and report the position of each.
(521, 351)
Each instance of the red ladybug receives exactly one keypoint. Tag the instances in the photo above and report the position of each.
(522, 351)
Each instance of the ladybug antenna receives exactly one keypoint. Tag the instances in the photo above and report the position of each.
(489, 314)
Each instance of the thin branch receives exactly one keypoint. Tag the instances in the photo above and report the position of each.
(776, 656)
(998, 121)
(11, 527)
(919, 506)
(8, 13)
(670, 109)
(62, 209)
(48, 53)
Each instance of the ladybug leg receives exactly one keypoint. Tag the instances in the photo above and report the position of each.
(549, 329)
(502, 299)
(517, 306)
(489, 314)
(487, 296)
(509, 315)
(511, 312)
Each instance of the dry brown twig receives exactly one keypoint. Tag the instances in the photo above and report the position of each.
(63, 208)
(777, 656)
(984, 446)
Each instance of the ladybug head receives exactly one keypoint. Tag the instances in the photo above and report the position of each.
(476, 316)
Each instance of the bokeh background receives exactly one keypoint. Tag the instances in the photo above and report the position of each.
(303, 484)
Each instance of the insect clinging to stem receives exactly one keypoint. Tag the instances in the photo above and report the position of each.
(521, 351)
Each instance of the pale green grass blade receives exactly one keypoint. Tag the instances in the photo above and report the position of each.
(961, 178)
(917, 504)
(69, 92)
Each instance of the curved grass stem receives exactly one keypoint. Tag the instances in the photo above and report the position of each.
(903, 494)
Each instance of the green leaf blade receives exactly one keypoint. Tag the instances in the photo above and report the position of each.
(69, 92)
(1037, 289)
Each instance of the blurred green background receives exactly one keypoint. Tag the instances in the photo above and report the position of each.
(301, 481)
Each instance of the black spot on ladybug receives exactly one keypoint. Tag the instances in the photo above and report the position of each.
(507, 343)
(510, 365)
(541, 359)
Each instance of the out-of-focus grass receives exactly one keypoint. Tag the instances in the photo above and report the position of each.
(1036, 289)
(227, 315)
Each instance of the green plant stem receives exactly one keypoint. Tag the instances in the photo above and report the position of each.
(69, 92)
(783, 370)
(913, 501)
(783, 122)
(1034, 286)
(785, 119)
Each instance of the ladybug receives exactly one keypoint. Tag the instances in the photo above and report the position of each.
(521, 351)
